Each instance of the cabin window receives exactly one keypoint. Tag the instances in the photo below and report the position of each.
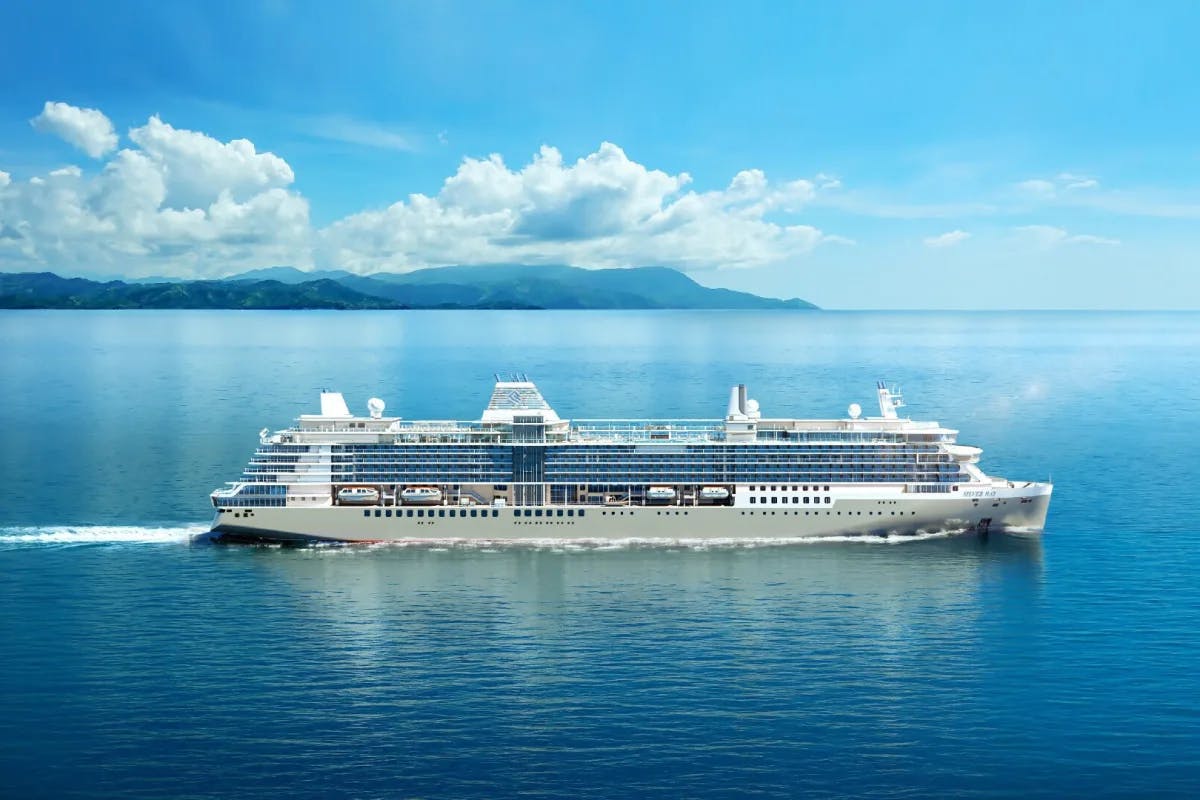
(408, 513)
(753, 499)
(378, 513)
(366, 512)
(452, 513)
(387, 513)
(570, 512)
(473, 513)
(828, 501)
(806, 501)
(495, 513)
(537, 513)
(560, 513)
(420, 512)
(581, 512)
(441, 512)
(774, 499)
(528, 512)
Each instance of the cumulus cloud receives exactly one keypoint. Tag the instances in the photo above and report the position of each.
(198, 168)
(948, 239)
(181, 202)
(1049, 236)
(604, 209)
(86, 128)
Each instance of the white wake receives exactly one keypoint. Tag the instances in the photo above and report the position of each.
(97, 534)
(636, 543)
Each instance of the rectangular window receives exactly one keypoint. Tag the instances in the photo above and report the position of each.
(387, 513)
(378, 512)
(570, 512)
(366, 512)
(452, 512)
(420, 512)
(408, 513)
(537, 513)
(495, 513)
(828, 501)
(560, 513)
(774, 499)
(441, 512)
(581, 512)
(473, 512)
(806, 501)
(753, 499)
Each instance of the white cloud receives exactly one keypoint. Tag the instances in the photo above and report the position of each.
(1062, 183)
(948, 239)
(86, 128)
(1047, 236)
(1076, 182)
(602, 210)
(180, 202)
(352, 131)
(198, 168)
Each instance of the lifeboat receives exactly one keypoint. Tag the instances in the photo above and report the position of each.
(358, 495)
(421, 496)
(660, 494)
(714, 493)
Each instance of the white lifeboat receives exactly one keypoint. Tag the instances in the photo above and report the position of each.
(358, 495)
(660, 494)
(421, 495)
(714, 493)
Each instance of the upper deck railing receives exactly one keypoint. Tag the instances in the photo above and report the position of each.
(614, 431)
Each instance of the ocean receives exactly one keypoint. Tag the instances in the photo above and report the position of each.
(136, 661)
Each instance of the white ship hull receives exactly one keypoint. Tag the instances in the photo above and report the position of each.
(1016, 508)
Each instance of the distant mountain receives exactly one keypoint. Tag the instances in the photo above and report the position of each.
(47, 290)
(490, 286)
(566, 287)
(288, 275)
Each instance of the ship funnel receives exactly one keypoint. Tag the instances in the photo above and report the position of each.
(741, 389)
(734, 409)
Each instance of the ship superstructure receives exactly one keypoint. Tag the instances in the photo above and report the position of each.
(521, 471)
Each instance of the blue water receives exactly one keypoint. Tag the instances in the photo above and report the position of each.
(135, 663)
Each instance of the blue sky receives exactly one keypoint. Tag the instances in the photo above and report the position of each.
(860, 155)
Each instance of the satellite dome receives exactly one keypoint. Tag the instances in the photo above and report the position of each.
(855, 411)
(375, 407)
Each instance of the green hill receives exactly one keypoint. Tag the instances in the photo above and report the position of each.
(489, 286)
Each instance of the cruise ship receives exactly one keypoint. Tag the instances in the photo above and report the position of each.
(522, 472)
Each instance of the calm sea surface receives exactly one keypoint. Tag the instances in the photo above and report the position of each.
(135, 663)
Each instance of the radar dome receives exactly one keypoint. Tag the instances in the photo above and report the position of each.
(751, 407)
(375, 407)
(855, 411)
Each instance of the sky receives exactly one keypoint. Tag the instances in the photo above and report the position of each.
(858, 155)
